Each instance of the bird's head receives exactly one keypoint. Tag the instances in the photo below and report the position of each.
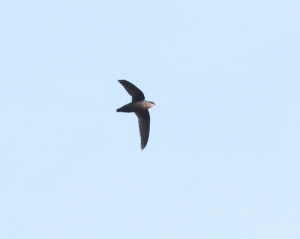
(151, 104)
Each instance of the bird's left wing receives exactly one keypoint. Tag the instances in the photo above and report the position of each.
(136, 93)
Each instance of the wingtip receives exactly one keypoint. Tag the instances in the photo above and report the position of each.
(122, 81)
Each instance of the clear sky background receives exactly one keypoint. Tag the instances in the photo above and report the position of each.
(223, 158)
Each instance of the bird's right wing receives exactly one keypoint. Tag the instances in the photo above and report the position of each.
(144, 125)
(136, 93)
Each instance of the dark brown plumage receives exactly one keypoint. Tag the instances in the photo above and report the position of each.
(144, 126)
(140, 107)
(136, 93)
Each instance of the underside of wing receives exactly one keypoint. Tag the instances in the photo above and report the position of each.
(144, 125)
(136, 93)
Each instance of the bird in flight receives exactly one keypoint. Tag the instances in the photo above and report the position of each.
(140, 107)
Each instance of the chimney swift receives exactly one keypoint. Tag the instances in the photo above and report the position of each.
(140, 107)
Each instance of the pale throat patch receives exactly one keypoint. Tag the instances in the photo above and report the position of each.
(149, 104)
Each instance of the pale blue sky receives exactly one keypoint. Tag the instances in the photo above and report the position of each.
(223, 156)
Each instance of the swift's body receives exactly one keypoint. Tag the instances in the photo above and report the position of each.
(140, 107)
